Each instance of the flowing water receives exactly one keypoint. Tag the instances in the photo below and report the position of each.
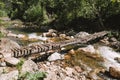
(109, 55)
(39, 37)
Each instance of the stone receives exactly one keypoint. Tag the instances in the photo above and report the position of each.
(68, 37)
(2, 64)
(72, 37)
(113, 39)
(51, 76)
(93, 74)
(55, 56)
(105, 41)
(115, 72)
(62, 35)
(29, 66)
(2, 69)
(117, 59)
(47, 34)
(69, 71)
(69, 78)
(13, 75)
(7, 54)
(21, 36)
(67, 57)
(59, 72)
(54, 35)
(7, 44)
(25, 38)
(88, 49)
(72, 51)
(48, 63)
(81, 34)
(78, 69)
(1, 55)
(12, 61)
(11, 34)
(52, 31)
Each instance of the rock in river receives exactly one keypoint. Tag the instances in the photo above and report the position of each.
(117, 59)
(88, 49)
(55, 56)
(115, 72)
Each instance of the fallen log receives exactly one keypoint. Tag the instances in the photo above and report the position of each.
(84, 40)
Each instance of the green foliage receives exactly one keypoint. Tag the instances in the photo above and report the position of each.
(2, 9)
(2, 13)
(115, 1)
(33, 13)
(62, 12)
(33, 76)
(1, 35)
(114, 33)
(19, 65)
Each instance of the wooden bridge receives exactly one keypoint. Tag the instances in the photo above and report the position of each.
(38, 48)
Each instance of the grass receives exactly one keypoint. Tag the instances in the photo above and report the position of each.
(19, 65)
(1, 35)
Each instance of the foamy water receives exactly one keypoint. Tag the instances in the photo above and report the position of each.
(35, 36)
(109, 55)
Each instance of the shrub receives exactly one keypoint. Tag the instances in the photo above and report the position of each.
(32, 76)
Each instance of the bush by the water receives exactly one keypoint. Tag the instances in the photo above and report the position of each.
(2, 9)
(84, 14)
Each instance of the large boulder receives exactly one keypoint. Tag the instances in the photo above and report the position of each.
(6, 44)
(115, 72)
(29, 66)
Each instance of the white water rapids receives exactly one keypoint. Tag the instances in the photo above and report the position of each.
(108, 54)
(35, 36)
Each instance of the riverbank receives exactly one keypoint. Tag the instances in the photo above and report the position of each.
(88, 62)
